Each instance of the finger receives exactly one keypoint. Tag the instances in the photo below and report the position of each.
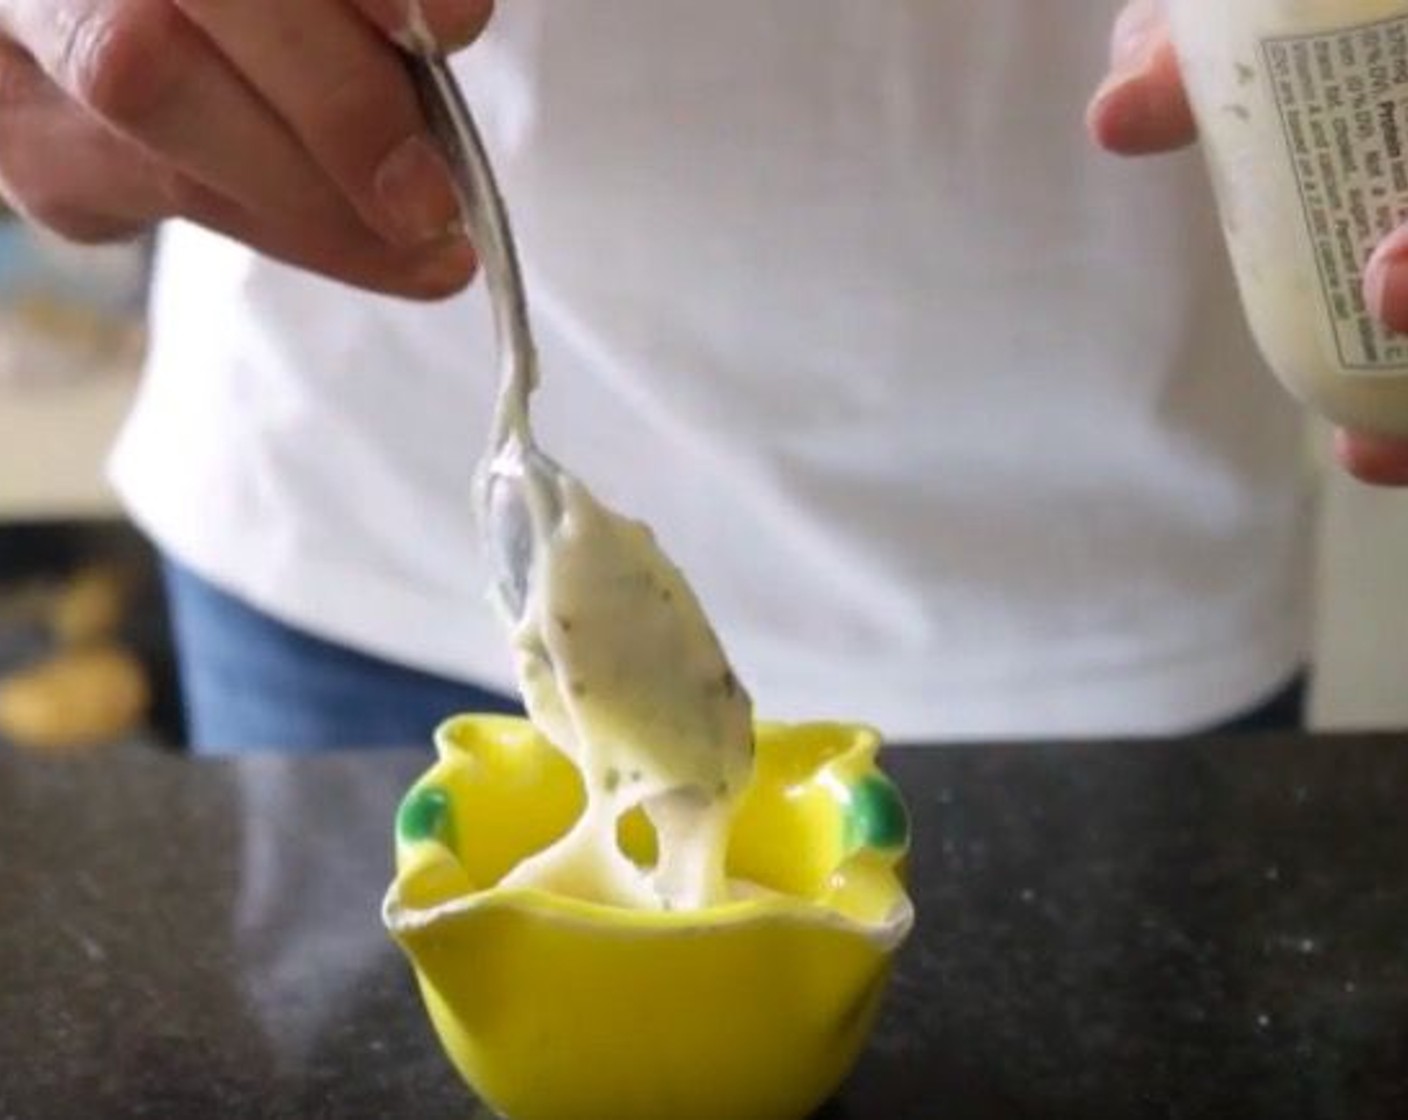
(144, 70)
(1386, 281)
(1378, 460)
(341, 88)
(447, 24)
(353, 256)
(1141, 107)
(51, 154)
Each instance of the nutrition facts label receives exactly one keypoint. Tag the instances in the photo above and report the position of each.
(1343, 99)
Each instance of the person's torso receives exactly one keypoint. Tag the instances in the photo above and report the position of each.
(836, 296)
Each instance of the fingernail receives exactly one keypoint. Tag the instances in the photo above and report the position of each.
(1116, 113)
(417, 194)
(448, 268)
(1386, 291)
(416, 34)
(448, 25)
(1132, 47)
(1114, 83)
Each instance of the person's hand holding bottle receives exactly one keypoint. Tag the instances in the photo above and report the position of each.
(1141, 108)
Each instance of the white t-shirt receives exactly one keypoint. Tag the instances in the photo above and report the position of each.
(952, 421)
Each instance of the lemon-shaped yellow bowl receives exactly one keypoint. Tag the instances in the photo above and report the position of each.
(557, 1009)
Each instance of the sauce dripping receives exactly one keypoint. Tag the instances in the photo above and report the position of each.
(616, 661)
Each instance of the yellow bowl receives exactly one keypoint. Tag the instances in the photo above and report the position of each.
(557, 1009)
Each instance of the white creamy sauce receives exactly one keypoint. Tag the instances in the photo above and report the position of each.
(616, 661)
(617, 664)
(621, 670)
(1303, 110)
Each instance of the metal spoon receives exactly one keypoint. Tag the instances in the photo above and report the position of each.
(672, 661)
(517, 487)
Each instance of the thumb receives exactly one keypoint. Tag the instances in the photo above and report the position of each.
(1141, 106)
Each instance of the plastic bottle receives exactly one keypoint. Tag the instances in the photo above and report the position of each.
(1303, 110)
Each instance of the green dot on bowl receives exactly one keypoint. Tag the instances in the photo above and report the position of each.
(425, 814)
(876, 817)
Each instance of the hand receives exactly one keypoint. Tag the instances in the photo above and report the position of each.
(1141, 107)
(287, 124)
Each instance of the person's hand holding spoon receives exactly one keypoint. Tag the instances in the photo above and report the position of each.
(290, 125)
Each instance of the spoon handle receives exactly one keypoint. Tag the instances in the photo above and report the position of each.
(486, 218)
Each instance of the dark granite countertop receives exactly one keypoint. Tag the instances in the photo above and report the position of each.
(1212, 929)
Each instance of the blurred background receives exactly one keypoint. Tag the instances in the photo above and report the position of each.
(85, 658)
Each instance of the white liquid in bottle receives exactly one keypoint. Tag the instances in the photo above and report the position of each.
(1303, 110)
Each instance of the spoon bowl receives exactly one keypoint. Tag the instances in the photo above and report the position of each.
(517, 486)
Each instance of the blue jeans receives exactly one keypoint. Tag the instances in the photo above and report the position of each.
(248, 682)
